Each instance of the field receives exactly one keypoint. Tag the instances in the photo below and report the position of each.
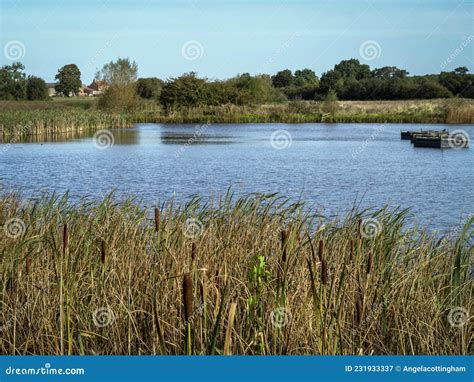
(255, 275)
(80, 115)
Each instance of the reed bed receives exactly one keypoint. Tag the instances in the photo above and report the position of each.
(234, 275)
(18, 124)
(21, 119)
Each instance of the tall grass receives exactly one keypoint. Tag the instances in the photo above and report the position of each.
(253, 275)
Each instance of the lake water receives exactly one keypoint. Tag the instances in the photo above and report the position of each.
(328, 165)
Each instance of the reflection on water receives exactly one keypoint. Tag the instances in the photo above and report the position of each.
(193, 137)
(328, 166)
(44, 138)
(121, 137)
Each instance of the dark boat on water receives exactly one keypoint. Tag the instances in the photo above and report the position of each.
(405, 135)
(435, 139)
(411, 135)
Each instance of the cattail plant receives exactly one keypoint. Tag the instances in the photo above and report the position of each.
(324, 268)
(335, 306)
(65, 239)
(284, 245)
(157, 219)
(103, 252)
(359, 306)
(188, 310)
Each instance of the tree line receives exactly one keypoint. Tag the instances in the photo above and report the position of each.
(348, 80)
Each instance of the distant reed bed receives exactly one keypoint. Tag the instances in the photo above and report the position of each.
(22, 119)
(237, 275)
(26, 123)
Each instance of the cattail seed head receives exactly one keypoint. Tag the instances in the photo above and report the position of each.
(65, 238)
(157, 219)
(188, 296)
(324, 272)
(284, 242)
(321, 250)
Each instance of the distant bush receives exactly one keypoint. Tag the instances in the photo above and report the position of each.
(119, 98)
(330, 104)
(149, 88)
(36, 89)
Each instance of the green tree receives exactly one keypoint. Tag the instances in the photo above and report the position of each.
(353, 68)
(12, 82)
(458, 82)
(256, 89)
(149, 88)
(352, 89)
(330, 80)
(283, 79)
(222, 92)
(432, 89)
(69, 77)
(120, 72)
(461, 70)
(185, 91)
(306, 77)
(36, 89)
(121, 76)
(389, 72)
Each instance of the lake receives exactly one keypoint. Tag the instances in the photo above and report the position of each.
(331, 166)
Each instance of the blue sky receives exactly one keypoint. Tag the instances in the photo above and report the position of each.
(219, 39)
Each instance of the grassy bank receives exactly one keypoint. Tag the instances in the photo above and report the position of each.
(238, 276)
(79, 115)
